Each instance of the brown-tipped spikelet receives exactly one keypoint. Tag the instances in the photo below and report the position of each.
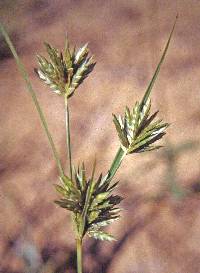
(137, 130)
(91, 201)
(65, 71)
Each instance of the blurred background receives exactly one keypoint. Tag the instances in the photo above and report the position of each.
(159, 228)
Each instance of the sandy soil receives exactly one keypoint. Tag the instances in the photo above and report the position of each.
(159, 229)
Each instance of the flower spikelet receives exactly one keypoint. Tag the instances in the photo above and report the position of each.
(65, 71)
(91, 201)
(138, 130)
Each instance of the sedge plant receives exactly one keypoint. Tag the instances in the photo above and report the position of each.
(92, 202)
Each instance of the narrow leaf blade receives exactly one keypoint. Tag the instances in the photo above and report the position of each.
(148, 91)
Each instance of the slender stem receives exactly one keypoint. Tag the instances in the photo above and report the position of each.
(121, 153)
(116, 163)
(79, 255)
(68, 139)
(34, 98)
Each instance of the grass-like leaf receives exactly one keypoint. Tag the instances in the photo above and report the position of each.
(151, 84)
(136, 131)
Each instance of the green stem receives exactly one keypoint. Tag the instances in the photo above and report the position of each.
(116, 163)
(68, 139)
(121, 153)
(79, 255)
(34, 98)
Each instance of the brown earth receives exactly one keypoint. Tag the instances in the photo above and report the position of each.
(159, 229)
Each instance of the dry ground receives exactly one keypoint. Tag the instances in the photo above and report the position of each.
(159, 229)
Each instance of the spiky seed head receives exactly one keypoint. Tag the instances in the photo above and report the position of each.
(91, 202)
(137, 130)
(65, 71)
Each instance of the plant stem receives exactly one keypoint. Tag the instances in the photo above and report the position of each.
(34, 98)
(68, 139)
(116, 163)
(121, 153)
(79, 255)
